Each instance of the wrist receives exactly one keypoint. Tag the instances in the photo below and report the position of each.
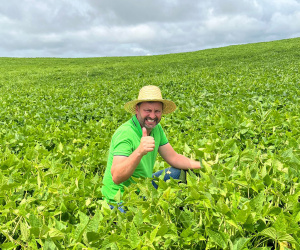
(140, 153)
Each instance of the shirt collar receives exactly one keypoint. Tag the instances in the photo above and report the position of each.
(137, 124)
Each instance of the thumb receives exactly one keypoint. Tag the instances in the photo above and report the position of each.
(144, 131)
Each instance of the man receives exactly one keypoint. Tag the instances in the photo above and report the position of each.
(135, 144)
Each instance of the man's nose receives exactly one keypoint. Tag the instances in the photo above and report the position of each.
(152, 115)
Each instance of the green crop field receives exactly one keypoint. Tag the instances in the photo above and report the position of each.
(238, 112)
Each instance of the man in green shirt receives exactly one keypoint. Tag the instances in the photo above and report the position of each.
(135, 144)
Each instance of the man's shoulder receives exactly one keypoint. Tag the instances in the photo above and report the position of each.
(125, 128)
(125, 124)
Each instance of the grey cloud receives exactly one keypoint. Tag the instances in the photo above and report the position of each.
(128, 12)
(73, 28)
(33, 16)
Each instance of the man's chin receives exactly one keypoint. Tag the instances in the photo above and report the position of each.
(150, 126)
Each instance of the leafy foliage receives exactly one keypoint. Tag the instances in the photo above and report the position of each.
(238, 112)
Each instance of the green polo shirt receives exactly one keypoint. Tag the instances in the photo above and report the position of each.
(125, 140)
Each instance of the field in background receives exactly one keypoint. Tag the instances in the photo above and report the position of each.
(238, 111)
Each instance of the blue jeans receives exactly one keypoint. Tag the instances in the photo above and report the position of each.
(170, 172)
(120, 207)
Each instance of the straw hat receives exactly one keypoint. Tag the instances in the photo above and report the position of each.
(150, 94)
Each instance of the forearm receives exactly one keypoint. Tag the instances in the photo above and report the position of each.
(122, 170)
(185, 163)
(177, 160)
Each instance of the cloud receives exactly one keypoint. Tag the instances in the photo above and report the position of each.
(131, 12)
(73, 28)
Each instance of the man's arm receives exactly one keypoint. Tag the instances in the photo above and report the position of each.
(177, 160)
(123, 167)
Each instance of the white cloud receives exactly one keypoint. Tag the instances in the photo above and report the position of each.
(284, 24)
(73, 28)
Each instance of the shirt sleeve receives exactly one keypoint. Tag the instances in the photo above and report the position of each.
(163, 137)
(123, 145)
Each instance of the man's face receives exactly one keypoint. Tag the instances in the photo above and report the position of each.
(149, 114)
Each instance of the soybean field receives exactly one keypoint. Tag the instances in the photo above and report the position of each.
(238, 113)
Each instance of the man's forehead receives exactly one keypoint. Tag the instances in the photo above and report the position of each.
(152, 104)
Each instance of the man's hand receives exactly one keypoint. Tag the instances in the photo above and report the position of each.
(147, 143)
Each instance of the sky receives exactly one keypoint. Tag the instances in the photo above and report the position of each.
(106, 28)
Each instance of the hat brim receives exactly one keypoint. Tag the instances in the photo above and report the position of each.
(168, 106)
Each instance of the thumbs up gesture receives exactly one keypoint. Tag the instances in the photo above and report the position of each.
(147, 143)
(144, 130)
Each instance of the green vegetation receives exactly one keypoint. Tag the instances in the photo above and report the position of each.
(238, 110)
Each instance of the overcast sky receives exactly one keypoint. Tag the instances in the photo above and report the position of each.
(97, 28)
